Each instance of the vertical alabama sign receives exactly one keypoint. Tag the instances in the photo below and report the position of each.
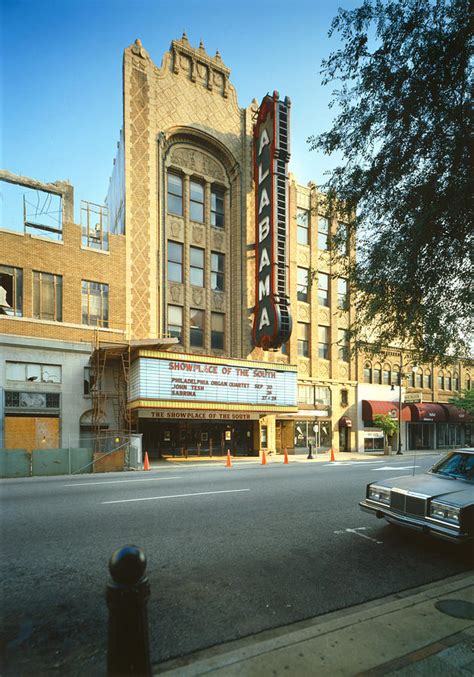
(272, 320)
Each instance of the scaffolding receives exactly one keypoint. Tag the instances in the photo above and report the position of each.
(110, 363)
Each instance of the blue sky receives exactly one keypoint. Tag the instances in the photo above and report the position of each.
(61, 77)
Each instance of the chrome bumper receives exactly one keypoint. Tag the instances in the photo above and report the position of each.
(416, 523)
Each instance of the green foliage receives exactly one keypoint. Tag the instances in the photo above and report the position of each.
(402, 129)
(386, 424)
(465, 401)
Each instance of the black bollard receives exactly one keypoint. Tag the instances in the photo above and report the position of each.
(128, 651)
(310, 455)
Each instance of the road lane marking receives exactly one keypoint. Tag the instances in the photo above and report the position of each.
(145, 479)
(357, 531)
(159, 498)
(396, 467)
(339, 463)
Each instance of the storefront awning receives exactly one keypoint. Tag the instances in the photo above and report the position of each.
(371, 408)
(345, 422)
(456, 415)
(428, 411)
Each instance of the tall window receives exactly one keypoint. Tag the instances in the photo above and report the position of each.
(323, 343)
(196, 201)
(305, 394)
(448, 382)
(175, 194)
(343, 234)
(11, 291)
(427, 380)
(217, 271)
(175, 322)
(302, 223)
(302, 284)
(441, 381)
(344, 348)
(196, 270)
(303, 339)
(342, 295)
(468, 382)
(395, 375)
(456, 381)
(323, 289)
(367, 374)
(322, 395)
(47, 296)
(95, 303)
(419, 378)
(217, 331)
(175, 261)
(377, 375)
(411, 379)
(196, 334)
(323, 233)
(386, 375)
(217, 207)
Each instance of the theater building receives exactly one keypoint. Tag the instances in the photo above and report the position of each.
(200, 306)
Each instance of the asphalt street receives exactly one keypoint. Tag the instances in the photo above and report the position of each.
(231, 552)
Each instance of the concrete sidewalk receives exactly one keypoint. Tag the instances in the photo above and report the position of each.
(296, 458)
(410, 633)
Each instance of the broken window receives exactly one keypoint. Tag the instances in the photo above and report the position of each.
(30, 210)
(95, 233)
(11, 291)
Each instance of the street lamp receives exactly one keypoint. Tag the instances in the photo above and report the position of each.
(400, 381)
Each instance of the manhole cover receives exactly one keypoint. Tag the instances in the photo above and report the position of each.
(457, 608)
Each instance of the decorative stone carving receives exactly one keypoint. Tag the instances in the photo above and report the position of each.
(303, 366)
(218, 300)
(303, 312)
(324, 315)
(323, 369)
(198, 235)
(188, 158)
(176, 228)
(303, 258)
(218, 240)
(139, 50)
(197, 295)
(343, 372)
(176, 293)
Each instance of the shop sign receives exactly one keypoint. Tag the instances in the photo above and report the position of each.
(192, 414)
(413, 398)
(168, 379)
(373, 434)
(272, 319)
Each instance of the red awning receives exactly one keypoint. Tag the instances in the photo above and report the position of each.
(345, 422)
(371, 408)
(456, 414)
(428, 411)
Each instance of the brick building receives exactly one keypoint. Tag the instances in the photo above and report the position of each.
(160, 286)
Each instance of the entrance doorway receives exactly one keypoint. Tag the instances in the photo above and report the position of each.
(421, 436)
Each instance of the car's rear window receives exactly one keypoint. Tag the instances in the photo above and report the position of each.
(458, 465)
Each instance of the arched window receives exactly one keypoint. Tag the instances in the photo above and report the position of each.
(367, 373)
(377, 373)
(440, 381)
(396, 375)
(456, 381)
(386, 374)
(427, 379)
(448, 381)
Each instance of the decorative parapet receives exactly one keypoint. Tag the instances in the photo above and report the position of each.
(199, 66)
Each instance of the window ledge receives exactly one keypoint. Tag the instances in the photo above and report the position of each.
(70, 325)
(45, 238)
(97, 251)
(11, 232)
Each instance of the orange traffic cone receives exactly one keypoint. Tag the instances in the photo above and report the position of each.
(285, 460)
(332, 455)
(264, 458)
(146, 464)
(228, 463)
